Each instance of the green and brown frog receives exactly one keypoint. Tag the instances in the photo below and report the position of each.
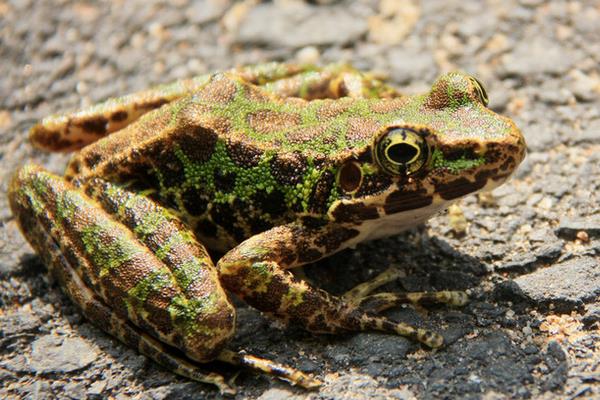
(274, 166)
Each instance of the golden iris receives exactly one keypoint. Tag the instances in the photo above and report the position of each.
(401, 151)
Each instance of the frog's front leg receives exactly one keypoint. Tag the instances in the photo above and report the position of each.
(361, 297)
(134, 269)
(257, 271)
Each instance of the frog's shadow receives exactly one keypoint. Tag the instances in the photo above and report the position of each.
(430, 263)
(479, 337)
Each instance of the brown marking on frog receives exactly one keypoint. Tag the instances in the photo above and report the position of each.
(255, 95)
(163, 160)
(221, 125)
(194, 201)
(311, 222)
(268, 121)
(97, 312)
(47, 139)
(180, 252)
(205, 281)
(438, 96)
(227, 217)
(198, 142)
(307, 254)
(320, 195)
(508, 164)
(462, 186)
(74, 167)
(387, 106)
(319, 89)
(224, 181)
(97, 125)
(272, 202)
(318, 323)
(405, 200)
(354, 212)
(373, 184)
(276, 290)
(157, 306)
(220, 90)
(121, 279)
(118, 116)
(361, 129)
(333, 108)
(243, 154)
(305, 134)
(288, 168)
(334, 237)
(150, 104)
(287, 256)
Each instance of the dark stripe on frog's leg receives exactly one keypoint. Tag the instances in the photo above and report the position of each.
(186, 260)
(123, 271)
(103, 316)
(256, 270)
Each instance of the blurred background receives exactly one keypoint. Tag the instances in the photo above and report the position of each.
(529, 252)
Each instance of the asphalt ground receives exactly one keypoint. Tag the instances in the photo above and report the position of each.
(528, 253)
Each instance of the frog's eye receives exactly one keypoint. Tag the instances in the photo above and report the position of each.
(349, 177)
(401, 151)
(480, 91)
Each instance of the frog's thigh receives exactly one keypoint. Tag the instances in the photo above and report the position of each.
(96, 311)
(73, 131)
(170, 291)
(70, 132)
(331, 82)
(257, 271)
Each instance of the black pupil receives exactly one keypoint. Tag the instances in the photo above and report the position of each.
(401, 153)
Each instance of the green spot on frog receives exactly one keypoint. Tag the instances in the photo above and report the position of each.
(457, 165)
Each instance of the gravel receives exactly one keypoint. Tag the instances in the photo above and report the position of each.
(569, 227)
(566, 285)
(529, 257)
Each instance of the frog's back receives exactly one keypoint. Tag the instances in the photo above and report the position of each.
(232, 160)
(248, 119)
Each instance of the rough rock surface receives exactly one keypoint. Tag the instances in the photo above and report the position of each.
(529, 256)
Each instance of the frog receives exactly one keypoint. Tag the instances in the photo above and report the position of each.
(180, 195)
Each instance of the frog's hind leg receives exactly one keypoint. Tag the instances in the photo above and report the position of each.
(96, 311)
(133, 268)
(70, 132)
(257, 271)
(73, 131)
(360, 295)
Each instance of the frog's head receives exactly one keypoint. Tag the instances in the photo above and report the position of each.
(439, 147)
